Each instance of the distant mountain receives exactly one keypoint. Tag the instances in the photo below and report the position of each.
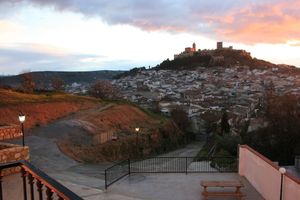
(45, 77)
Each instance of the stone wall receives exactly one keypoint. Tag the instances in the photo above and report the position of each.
(11, 153)
(102, 138)
(10, 132)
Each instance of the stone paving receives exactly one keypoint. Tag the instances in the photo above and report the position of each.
(174, 186)
(88, 181)
(142, 187)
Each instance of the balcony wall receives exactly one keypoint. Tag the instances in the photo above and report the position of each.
(291, 187)
(264, 175)
(10, 132)
(10, 153)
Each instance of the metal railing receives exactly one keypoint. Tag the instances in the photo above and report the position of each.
(39, 183)
(170, 165)
(116, 172)
(184, 165)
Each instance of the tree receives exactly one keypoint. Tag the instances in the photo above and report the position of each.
(244, 128)
(211, 118)
(57, 84)
(283, 115)
(104, 89)
(280, 140)
(27, 82)
(180, 117)
(225, 127)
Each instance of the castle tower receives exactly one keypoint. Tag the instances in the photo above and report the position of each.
(194, 46)
(219, 45)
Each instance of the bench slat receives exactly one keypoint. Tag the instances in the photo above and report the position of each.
(223, 194)
(222, 184)
(235, 184)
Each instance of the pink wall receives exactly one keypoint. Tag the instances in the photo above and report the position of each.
(261, 175)
(291, 188)
(264, 175)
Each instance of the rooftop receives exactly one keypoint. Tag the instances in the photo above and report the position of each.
(174, 186)
(171, 186)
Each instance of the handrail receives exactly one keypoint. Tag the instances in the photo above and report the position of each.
(118, 163)
(173, 157)
(9, 165)
(53, 185)
(49, 182)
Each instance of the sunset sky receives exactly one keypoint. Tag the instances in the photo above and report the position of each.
(83, 35)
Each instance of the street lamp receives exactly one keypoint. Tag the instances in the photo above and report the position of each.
(282, 171)
(137, 129)
(22, 118)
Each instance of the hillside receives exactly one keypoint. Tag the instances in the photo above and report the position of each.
(221, 57)
(119, 121)
(90, 130)
(39, 109)
(44, 78)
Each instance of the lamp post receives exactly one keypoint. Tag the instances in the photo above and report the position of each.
(282, 171)
(137, 129)
(22, 118)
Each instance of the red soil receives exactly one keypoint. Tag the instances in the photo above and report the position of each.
(118, 117)
(40, 113)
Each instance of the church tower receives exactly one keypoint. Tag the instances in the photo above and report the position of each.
(194, 47)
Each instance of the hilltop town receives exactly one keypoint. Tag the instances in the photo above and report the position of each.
(238, 89)
(199, 81)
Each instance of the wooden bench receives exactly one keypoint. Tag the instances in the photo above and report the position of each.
(235, 184)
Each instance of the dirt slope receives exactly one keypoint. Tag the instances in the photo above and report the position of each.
(88, 132)
(156, 134)
(39, 109)
(116, 118)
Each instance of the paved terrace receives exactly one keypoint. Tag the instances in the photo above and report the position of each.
(88, 181)
(143, 187)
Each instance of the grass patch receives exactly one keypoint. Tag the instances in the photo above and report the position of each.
(9, 97)
(207, 148)
(150, 113)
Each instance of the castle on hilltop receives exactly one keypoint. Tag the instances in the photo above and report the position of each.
(215, 53)
(188, 51)
(220, 46)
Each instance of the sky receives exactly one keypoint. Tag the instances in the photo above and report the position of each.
(86, 35)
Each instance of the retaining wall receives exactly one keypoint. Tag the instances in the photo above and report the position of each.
(11, 153)
(10, 132)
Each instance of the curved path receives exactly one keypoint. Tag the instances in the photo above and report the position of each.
(85, 179)
(45, 154)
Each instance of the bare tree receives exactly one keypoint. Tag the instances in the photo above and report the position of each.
(57, 83)
(180, 117)
(27, 82)
(104, 89)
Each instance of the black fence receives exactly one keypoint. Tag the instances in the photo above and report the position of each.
(116, 172)
(184, 165)
(39, 185)
(170, 165)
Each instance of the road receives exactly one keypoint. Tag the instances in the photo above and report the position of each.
(45, 154)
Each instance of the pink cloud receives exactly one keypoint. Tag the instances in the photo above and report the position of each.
(256, 21)
(269, 23)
